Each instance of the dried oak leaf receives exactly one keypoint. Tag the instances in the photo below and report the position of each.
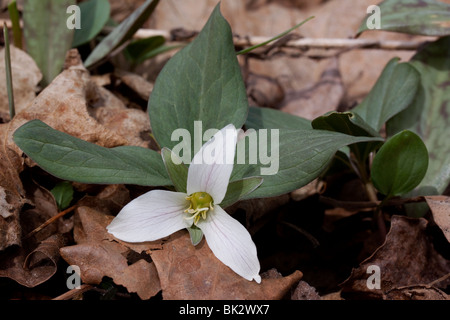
(35, 261)
(194, 273)
(440, 209)
(63, 105)
(305, 292)
(135, 82)
(33, 268)
(98, 256)
(408, 257)
(323, 96)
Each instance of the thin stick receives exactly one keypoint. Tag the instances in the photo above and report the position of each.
(445, 277)
(49, 221)
(302, 44)
(74, 292)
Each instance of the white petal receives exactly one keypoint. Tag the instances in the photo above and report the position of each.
(211, 166)
(231, 243)
(152, 216)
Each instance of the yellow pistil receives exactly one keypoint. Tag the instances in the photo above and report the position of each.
(201, 203)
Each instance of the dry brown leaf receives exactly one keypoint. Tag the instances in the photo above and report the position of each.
(305, 292)
(194, 273)
(440, 209)
(12, 194)
(35, 260)
(407, 258)
(63, 105)
(135, 82)
(98, 257)
(34, 268)
(133, 124)
(26, 77)
(322, 97)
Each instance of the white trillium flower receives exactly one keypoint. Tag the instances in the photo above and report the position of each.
(159, 213)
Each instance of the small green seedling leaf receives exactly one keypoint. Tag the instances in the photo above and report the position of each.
(400, 164)
(177, 170)
(63, 193)
(122, 33)
(266, 118)
(94, 15)
(73, 159)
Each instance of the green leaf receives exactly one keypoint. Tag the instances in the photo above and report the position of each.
(247, 50)
(344, 122)
(63, 193)
(122, 33)
(201, 82)
(14, 15)
(429, 114)
(423, 17)
(351, 124)
(73, 159)
(47, 37)
(266, 118)
(239, 189)
(177, 170)
(94, 14)
(140, 50)
(393, 92)
(196, 234)
(400, 164)
(287, 159)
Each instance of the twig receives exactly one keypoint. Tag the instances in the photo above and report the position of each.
(49, 221)
(74, 292)
(301, 44)
(445, 277)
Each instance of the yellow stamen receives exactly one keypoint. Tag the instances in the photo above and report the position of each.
(201, 203)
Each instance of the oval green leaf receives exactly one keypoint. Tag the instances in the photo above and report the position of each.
(392, 93)
(202, 82)
(94, 15)
(400, 164)
(266, 118)
(73, 159)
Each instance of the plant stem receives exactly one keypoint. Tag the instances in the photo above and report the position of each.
(15, 20)
(9, 84)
